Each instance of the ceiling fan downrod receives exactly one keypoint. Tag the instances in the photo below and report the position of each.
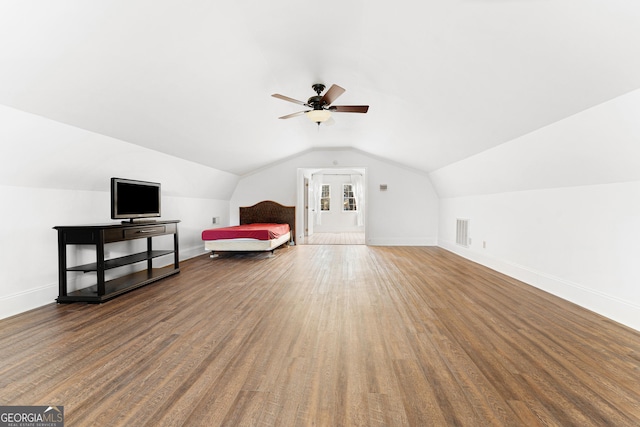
(318, 88)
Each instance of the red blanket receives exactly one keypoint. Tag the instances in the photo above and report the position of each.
(247, 231)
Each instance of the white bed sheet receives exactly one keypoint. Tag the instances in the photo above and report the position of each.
(246, 244)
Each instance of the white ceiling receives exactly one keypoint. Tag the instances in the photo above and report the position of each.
(444, 79)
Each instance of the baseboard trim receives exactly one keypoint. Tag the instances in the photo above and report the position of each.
(192, 252)
(609, 306)
(11, 305)
(20, 302)
(402, 241)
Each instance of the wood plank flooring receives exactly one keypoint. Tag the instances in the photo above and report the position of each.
(349, 238)
(328, 336)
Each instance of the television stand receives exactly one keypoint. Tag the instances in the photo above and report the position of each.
(101, 234)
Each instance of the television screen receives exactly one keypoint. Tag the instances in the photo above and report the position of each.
(134, 199)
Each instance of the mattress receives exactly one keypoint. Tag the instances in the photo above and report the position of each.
(256, 231)
(223, 245)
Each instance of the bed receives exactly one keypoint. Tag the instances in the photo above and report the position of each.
(264, 226)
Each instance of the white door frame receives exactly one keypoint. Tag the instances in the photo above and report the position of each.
(302, 177)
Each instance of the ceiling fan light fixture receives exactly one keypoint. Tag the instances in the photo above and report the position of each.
(319, 116)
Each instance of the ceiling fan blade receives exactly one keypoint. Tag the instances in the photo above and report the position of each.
(332, 94)
(286, 98)
(349, 108)
(288, 116)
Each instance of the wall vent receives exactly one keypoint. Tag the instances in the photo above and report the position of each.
(462, 232)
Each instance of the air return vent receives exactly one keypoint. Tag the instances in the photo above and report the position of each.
(462, 232)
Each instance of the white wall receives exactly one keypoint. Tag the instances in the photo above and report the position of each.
(558, 208)
(405, 214)
(53, 174)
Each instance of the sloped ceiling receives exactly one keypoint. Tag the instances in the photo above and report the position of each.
(444, 79)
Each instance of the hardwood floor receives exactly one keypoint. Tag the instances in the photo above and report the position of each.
(350, 238)
(326, 335)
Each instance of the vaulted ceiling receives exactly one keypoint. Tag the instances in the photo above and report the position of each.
(444, 79)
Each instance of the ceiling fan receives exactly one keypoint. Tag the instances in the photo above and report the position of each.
(321, 107)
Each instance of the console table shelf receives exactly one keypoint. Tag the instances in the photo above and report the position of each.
(118, 286)
(120, 262)
(101, 234)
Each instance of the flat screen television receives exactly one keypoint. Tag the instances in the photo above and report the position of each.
(132, 199)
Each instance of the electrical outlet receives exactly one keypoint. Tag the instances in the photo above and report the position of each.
(216, 220)
(484, 245)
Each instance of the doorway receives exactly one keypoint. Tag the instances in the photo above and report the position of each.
(331, 206)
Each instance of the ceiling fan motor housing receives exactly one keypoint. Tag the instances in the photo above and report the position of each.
(314, 101)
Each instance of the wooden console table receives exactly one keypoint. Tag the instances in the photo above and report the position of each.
(101, 234)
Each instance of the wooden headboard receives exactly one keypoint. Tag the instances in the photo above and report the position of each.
(269, 212)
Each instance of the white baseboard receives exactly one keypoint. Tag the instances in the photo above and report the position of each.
(11, 305)
(606, 305)
(402, 241)
(192, 252)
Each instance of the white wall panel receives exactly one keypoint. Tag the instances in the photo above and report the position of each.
(558, 208)
(405, 214)
(53, 174)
